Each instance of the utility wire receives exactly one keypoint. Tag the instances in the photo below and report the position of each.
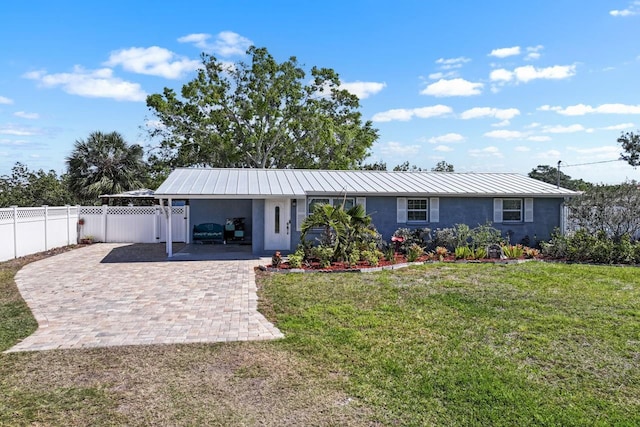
(591, 163)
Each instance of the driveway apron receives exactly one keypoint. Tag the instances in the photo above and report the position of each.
(81, 301)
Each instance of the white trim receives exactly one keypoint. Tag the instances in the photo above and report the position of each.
(497, 211)
(528, 209)
(301, 213)
(401, 210)
(434, 209)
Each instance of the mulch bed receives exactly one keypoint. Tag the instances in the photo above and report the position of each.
(400, 262)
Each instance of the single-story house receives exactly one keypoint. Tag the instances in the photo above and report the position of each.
(272, 203)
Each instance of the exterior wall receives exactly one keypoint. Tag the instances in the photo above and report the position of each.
(217, 211)
(473, 212)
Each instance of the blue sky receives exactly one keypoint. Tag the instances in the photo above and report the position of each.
(491, 86)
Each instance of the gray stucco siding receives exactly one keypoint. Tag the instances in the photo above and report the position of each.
(471, 211)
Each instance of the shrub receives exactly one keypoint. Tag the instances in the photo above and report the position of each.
(443, 237)
(409, 237)
(414, 252)
(531, 253)
(295, 260)
(485, 235)
(513, 251)
(323, 254)
(353, 257)
(480, 253)
(556, 247)
(441, 252)
(463, 252)
(390, 254)
(371, 257)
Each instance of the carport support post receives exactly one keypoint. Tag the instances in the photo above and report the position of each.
(169, 229)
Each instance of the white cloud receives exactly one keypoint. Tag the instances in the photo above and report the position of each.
(498, 113)
(505, 52)
(363, 89)
(5, 100)
(582, 109)
(453, 87)
(621, 126)
(564, 129)
(153, 61)
(403, 114)
(227, 43)
(397, 149)
(399, 114)
(442, 148)
(557, 72)
(533, 52)
(632, 9)
(522, 149)
(98, 83)
(451, 63)
(605, 151)
(551, 154)
(17, 131)
(539, 138)
(505, 134)
(501, 75)
(25, 115)
(447, 138)
(528, 73)
(432, 111)
(486, 152)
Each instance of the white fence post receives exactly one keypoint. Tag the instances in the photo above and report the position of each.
(46, 227)
(15, 231)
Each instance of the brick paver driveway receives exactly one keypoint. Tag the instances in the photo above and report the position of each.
(115, 294)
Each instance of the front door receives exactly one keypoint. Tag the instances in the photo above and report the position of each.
(277, 225)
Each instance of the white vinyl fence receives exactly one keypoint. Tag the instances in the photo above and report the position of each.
(25, 231)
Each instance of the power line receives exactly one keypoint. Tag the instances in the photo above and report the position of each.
(591, 163)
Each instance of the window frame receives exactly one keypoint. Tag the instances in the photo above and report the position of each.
(332, 200)
(520, 211)
(425, 210)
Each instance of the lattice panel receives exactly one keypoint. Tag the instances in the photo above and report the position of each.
(177, 210)
(30, 213)
(91, 210)
(6, 214)
(129, 210)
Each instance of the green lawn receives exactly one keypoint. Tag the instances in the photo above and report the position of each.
(470, 344)
(440, 344)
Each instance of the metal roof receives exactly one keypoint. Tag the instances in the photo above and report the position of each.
(207, 183)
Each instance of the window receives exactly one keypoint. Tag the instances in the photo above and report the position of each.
(349, 202)
(512, 210)
(277, 220)
(417, 210)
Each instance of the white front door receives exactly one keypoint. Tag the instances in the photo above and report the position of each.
(277, 225)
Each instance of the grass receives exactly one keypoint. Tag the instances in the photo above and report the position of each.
(528, 344)
(441, 344)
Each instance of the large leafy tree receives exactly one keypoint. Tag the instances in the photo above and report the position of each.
(24, 187)
(261, 114)
(105, 163)
(631, 145)
(549, 174)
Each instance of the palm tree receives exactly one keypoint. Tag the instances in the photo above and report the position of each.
(342, 229)
(104, 164)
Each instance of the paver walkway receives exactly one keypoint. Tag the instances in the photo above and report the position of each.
(96, 297)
